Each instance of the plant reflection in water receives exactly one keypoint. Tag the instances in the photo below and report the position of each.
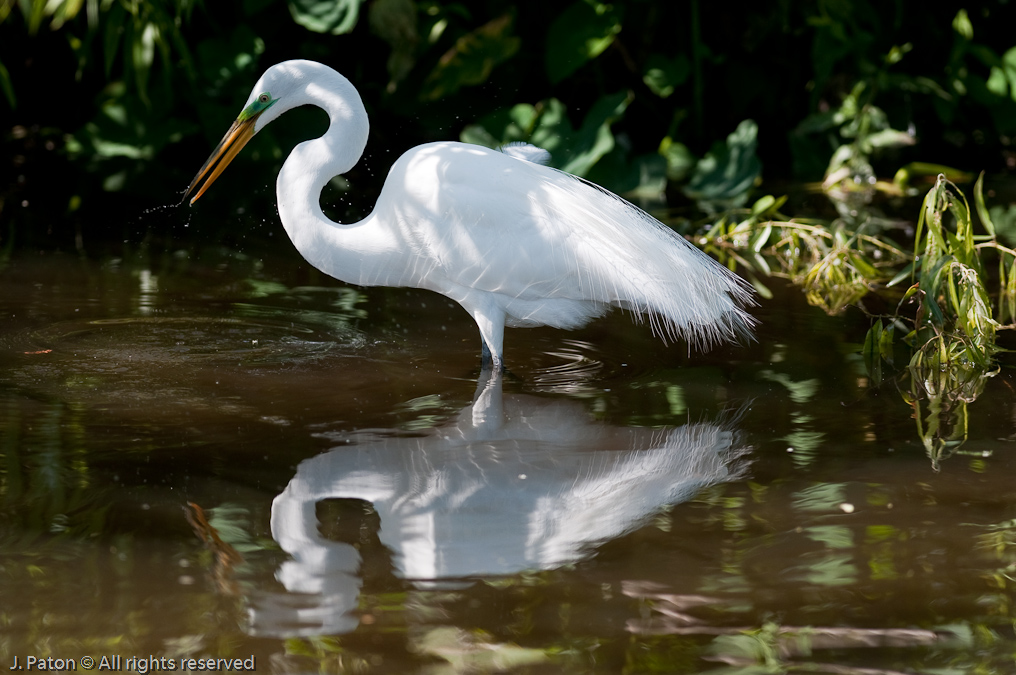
(511, 484)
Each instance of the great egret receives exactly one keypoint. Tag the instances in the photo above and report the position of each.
(514, 242)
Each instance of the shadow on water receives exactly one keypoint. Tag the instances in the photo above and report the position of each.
(229, 457)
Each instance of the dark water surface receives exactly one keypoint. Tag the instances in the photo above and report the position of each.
(223, 456)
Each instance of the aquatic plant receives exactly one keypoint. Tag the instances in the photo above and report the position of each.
(834, 264)
(948, 317)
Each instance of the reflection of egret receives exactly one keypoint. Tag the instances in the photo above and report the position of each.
(515, 243)
(511, 484)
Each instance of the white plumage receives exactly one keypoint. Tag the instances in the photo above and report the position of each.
(514, 242)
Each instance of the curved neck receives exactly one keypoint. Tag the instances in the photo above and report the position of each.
(342, 251)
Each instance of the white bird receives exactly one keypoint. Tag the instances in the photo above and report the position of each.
(514, 242)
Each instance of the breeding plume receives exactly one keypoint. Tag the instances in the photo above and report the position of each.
(516, 243)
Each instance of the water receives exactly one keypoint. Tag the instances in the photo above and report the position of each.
(219, 455)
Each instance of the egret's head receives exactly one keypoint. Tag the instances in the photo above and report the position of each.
(282, 87)
(279, 89)
(262, 107)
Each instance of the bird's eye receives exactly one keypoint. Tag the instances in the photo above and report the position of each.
(264, 98)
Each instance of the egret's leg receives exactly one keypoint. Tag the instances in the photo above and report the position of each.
(490, 321)
(486, 358)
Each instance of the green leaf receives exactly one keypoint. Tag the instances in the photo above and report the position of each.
(961, 24)
(762, 266)
(8, 88)
(642, 177)
(680, 160)
(1004, 220)
(870, 351)
(546, 125)
(477, 134)
(1009, 65)
(326, 16)
(866, 269)
(727, 173)
(124, 133)
(508, 125)
(763, 204)
(472, 58)
(760, 238)
(885, 344)
(905, 273)
(998, 83)
(662, 75)
(143, 55)
(982, 211)
(594, 138)
(228, 61)
(579, 34)
(819, 122)
(114, 23)
(890, 138)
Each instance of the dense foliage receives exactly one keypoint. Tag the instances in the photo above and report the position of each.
(118, 97)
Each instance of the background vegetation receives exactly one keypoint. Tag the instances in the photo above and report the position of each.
(107, 107)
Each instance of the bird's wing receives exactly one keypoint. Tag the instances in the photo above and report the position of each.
(484, 220)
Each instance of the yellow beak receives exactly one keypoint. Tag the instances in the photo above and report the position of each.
(230, 145)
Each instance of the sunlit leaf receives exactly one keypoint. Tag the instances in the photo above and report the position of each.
(961, 24)
(326, 16)
(760, 239)
(761, 264)
(472, 58)
(663, 74)
(680, 160)
(982, 211)
(863, 266)
(6, 86)
(580, 33)
(593, 139)
(547, 126)
(727, 173)
(759, 287)
(997, 82)
(1009, 66)
(763, 204)
(143, 55)
(890, 138)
